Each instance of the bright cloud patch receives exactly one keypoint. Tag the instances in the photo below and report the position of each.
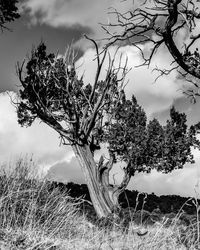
(183, 182)
(66, 171)
(39, 139)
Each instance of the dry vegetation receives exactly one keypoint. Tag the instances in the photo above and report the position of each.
(33, 217)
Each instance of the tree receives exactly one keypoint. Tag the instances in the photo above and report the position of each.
(8, 12)
(85, 116)
(163, 22)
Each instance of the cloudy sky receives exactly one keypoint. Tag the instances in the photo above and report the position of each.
(63, 22)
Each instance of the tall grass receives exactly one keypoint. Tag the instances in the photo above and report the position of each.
(35, 217)
(32, 215)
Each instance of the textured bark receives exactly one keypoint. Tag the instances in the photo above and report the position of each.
(103, 195)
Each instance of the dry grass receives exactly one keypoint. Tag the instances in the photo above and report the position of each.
(34, 218)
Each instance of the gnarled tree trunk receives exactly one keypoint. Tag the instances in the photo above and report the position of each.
(103, 195)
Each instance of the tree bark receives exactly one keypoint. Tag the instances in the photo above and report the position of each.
(103, 195)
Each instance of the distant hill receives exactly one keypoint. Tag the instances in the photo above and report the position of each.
(149, 202)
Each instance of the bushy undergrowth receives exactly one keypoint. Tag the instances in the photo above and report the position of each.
(35, 217)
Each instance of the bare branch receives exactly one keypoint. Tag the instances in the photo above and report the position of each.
(159, 22)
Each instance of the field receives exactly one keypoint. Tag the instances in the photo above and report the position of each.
(33, 217)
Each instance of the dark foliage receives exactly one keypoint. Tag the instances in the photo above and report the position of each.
(165, 203)
(8, 12)
(147, 146)
(133, 199)
(73, 189)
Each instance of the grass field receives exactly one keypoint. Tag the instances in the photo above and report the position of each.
(33, 218)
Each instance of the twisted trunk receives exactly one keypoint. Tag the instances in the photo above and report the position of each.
(103, 195)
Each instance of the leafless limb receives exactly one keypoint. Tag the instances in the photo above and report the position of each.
(159, 22)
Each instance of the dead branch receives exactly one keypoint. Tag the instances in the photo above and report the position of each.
(159, 22)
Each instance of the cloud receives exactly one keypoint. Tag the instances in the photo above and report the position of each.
(39, 139)
(87, 13)
(184, 182)
(66, 171)
(74, 14)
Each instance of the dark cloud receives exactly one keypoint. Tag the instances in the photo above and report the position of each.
(87, 14)
(15, 45)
